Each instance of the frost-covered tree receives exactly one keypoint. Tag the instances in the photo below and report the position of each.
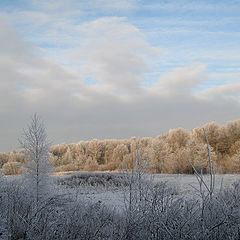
(67, 157)
(34, 142)
(177, 138)
(159, 156)
(118, 154)
(3, 158)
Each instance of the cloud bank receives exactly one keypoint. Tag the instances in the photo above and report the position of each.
(97, 87)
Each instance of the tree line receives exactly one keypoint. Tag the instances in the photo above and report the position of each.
(167, 153)
(34, 205)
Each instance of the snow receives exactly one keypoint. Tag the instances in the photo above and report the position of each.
(108, 193)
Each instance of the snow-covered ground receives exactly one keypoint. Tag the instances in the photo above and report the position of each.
(109, 188)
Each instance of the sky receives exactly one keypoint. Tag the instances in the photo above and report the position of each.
(117, 68)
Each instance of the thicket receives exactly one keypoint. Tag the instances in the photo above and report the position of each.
(151, 211)
(167, 153)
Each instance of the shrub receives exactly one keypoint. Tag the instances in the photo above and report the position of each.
(12, 168)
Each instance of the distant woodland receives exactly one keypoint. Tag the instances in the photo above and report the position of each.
(167, 153)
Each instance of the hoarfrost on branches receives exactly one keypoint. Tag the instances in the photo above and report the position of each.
(34, 142)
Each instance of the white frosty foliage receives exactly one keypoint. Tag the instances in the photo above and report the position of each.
(153, 210)
(34, 142)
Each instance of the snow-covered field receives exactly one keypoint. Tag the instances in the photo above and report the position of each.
(80, 206)
(110, 188)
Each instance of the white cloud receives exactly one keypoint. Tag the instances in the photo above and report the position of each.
(225, 91)
(182, 80)
(116, 54)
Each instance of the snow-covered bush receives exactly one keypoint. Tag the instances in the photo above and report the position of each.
(152, 210)
(12, 168)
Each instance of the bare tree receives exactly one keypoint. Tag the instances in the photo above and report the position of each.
(36, 146)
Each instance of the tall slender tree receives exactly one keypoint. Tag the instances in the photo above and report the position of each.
(34, 142)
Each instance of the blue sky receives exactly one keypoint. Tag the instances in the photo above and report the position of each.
(156, 65)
